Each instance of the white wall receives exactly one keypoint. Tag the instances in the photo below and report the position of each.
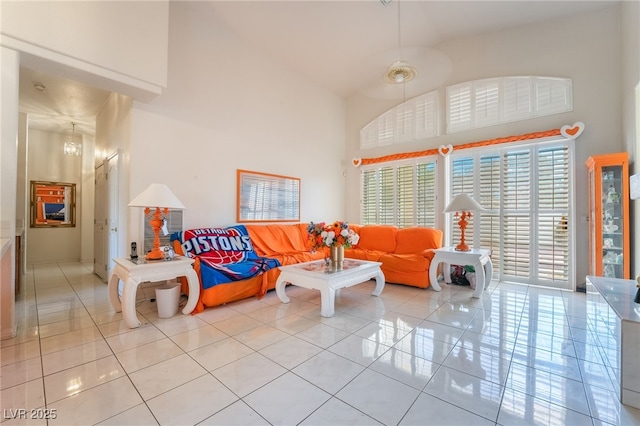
(9, 63)
(115, 45)
(113, 135)
(585, 48)
(46, 161)
(229, 107)
(631, 111)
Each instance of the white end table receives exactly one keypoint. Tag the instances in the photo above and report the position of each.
(317, 275)
(132, 274)
(479, 258)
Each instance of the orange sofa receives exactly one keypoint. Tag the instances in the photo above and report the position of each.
(405, 255)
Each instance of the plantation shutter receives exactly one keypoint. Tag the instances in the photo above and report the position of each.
(553, 95)
(369, 207)
(490, 196)
(553, 213)
(426, 202)
(487, 111)
(404, 123)
(517, 98)
(462, 181)
(517, 214)
(458, 107)
(426, 109)
(401, 194)
(386, 190)
(405, 196)
(386, 124)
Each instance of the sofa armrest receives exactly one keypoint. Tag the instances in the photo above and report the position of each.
(429, 254)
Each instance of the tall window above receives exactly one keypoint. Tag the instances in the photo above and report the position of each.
(483, 103)
(414, 119)
(400, 193)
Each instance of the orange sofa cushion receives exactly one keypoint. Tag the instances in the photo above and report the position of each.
(414, 240)
(378, 237)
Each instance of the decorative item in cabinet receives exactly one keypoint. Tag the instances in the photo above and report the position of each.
(609, 215)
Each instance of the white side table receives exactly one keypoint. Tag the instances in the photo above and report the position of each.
(479, 258)
(132, 274)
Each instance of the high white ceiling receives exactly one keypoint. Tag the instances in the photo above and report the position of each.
(344, 46)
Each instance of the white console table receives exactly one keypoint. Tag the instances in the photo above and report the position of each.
(617, 325)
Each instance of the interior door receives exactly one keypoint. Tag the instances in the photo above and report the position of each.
(113, 207)
(100, 234)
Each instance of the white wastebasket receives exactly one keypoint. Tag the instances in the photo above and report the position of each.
(168, 300)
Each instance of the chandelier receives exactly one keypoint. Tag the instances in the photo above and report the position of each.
(72, 147)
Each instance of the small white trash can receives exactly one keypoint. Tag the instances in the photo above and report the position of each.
(168, 300)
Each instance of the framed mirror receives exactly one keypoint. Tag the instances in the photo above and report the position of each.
(53, 204)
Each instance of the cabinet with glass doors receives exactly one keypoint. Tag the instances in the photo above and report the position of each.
(609, 215)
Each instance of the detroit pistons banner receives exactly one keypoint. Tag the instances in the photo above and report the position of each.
(226, 254)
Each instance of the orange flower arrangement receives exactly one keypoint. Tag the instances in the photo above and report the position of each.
(331, 235)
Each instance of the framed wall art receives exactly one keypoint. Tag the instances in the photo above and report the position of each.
(265, 197)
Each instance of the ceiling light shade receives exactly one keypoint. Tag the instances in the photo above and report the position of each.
(400, 72)
(72, 147)
(159, 197)
(463, 205)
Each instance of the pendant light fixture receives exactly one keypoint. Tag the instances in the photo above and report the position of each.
(400, 71)
(72, 147)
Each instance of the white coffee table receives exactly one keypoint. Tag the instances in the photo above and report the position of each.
(479, 258)
(317, 275)
(132, 274)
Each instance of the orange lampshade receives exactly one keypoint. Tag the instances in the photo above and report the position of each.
(159, 197)
(463, 205)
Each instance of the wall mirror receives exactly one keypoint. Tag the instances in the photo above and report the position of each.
(53, 204)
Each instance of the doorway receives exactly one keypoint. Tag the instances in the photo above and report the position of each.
(105, 235)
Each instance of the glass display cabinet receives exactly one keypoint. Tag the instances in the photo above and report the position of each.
(609, 215)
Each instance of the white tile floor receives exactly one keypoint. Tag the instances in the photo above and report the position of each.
(521, 355)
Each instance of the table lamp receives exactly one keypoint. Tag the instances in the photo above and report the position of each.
(161, 198)
(463, 205)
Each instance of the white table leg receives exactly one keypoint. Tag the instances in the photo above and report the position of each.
(480, 283)
(114, 280)
(328, 300)
(379, 284)
(446, 272)
(488, 273)
(280, 285)
(129, 302)
(194, 291)
(433, 273)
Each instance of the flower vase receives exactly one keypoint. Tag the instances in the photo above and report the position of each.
(337, 257)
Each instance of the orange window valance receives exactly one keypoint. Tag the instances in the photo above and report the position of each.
(570, 132)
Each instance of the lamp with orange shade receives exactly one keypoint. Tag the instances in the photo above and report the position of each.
(463, 205)
(157, 199)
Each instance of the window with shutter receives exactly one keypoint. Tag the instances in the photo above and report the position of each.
(526, 190)
(400, 193)
(412, 120)
(483, 103)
